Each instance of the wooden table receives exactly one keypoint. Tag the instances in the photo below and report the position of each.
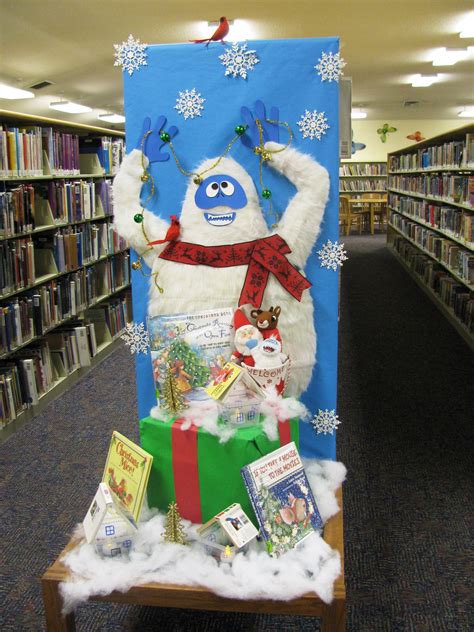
(333, 615)
(371, 203)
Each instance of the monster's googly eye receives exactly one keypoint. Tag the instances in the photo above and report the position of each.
(212, 189)
(227, 188)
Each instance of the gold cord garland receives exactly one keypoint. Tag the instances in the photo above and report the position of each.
(264, 154)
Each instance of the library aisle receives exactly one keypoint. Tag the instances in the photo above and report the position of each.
(403, 384)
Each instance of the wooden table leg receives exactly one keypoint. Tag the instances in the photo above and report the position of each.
(334, 618)
(56, 621)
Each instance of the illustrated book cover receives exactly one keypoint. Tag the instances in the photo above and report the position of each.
(282, 499)
(126, 472)
(196, 347)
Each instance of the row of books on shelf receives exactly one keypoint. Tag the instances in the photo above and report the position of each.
(453, 154)
(363, 169)
(30, 315)
(453, 255)
(22, 208)
(362, 185)
(77, 201)
(22, 151)
(25, 261)
(453, 294)
(457, 222)
(110, 151)
(456, 188)
(34, 370)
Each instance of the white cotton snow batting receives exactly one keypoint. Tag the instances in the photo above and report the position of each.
(312, 567)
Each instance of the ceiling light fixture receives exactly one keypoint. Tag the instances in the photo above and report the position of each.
(112, 118)
(467, 29)
(467, 112)
(69, 107)
(9, 92)
(357, 113)
(423, 81)
(449, 56)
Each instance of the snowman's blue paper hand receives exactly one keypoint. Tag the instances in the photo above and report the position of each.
(153, 143)
(271, 132)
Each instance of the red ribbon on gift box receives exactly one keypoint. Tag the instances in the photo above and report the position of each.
(186, 470)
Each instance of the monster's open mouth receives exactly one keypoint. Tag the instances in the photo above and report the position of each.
(220, 220)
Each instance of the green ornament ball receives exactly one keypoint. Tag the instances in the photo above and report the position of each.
(138, 218)
(267, 194)
(240, 129)
(165, 137)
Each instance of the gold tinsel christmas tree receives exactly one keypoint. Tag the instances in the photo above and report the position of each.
(172, 395)
(174, 530)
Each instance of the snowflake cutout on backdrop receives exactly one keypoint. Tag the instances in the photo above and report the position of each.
(189, 103)
(313, 124)
(238, 60)
(130, 54)
(136, 337)
(325, 421)
(330, 67)
(332, 255)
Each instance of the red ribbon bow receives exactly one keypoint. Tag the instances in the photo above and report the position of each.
(263, 256)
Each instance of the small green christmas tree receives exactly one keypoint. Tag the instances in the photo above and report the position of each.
(193, 364)
(174, 530)
(172, 395)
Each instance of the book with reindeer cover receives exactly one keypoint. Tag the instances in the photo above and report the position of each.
(126, 472)
(282, 499)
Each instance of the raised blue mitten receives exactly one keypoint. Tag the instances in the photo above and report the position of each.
(271, 131)
(153, 144)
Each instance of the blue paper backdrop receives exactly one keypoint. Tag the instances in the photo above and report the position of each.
(285, 77)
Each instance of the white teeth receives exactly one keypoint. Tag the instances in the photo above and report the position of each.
(219, 220)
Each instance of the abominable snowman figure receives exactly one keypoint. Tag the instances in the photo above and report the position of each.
(224, 209)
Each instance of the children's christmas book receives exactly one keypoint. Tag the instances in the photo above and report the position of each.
(282, 499)
(196, 347)
(126, 472)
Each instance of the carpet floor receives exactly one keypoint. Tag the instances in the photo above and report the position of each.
(405, 401)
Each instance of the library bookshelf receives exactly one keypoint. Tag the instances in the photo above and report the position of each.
(65, 273)
(356, 178)
(431, 219)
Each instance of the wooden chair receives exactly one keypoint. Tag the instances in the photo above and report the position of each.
(348, 216)
(379, 210)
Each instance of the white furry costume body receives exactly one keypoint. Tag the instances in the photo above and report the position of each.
(191, 288)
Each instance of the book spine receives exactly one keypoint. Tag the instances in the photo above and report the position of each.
(253, 495)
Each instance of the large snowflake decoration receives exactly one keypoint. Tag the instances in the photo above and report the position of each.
(325, 421)
(330, 66)
(136, 337)
(313, 124)
(332, 255)
(238, 60)
(130, 54)
(189, 103)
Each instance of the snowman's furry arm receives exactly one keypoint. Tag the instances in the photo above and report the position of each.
(301, 221)
(126, 196)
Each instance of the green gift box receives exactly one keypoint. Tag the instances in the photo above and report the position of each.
(201, 474)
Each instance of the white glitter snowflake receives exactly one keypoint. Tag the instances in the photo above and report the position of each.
(136, 337)
(332, 255)
(238, 60)
(189, 103)
(130, 54)
(313, 124)
(330, 66)
(325, 421)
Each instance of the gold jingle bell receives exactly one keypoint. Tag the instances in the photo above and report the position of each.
(197, 180)
(137, 265)
(145, 177)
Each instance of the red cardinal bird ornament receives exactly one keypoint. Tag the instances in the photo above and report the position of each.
(172, 233)
(218, 36)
